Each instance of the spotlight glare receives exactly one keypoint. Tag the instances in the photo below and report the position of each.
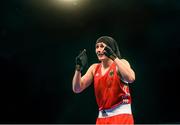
(68, 2)
(69, 5)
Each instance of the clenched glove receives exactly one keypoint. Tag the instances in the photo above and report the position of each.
(81, 60)
(110, 53)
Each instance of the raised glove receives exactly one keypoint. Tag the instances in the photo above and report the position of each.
(81, 60)
(109, 53)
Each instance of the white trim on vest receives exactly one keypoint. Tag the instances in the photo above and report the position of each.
(119, 109)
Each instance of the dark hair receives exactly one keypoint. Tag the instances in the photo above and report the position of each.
(109, 41)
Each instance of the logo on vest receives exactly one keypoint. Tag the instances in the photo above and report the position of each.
(111, 73)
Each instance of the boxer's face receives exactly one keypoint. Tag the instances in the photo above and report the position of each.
(100, 50)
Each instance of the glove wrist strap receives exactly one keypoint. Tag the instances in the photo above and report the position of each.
(113, 57)
(78, 68)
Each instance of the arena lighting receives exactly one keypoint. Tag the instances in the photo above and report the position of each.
(69, 2)
(68, 6)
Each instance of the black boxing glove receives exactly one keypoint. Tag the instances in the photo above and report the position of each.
(81, 60)
(110, 53)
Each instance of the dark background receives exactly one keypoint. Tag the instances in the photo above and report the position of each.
(39, 40)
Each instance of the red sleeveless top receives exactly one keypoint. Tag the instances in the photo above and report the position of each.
(110, 91)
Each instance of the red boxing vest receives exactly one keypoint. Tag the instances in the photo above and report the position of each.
(110, 91)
